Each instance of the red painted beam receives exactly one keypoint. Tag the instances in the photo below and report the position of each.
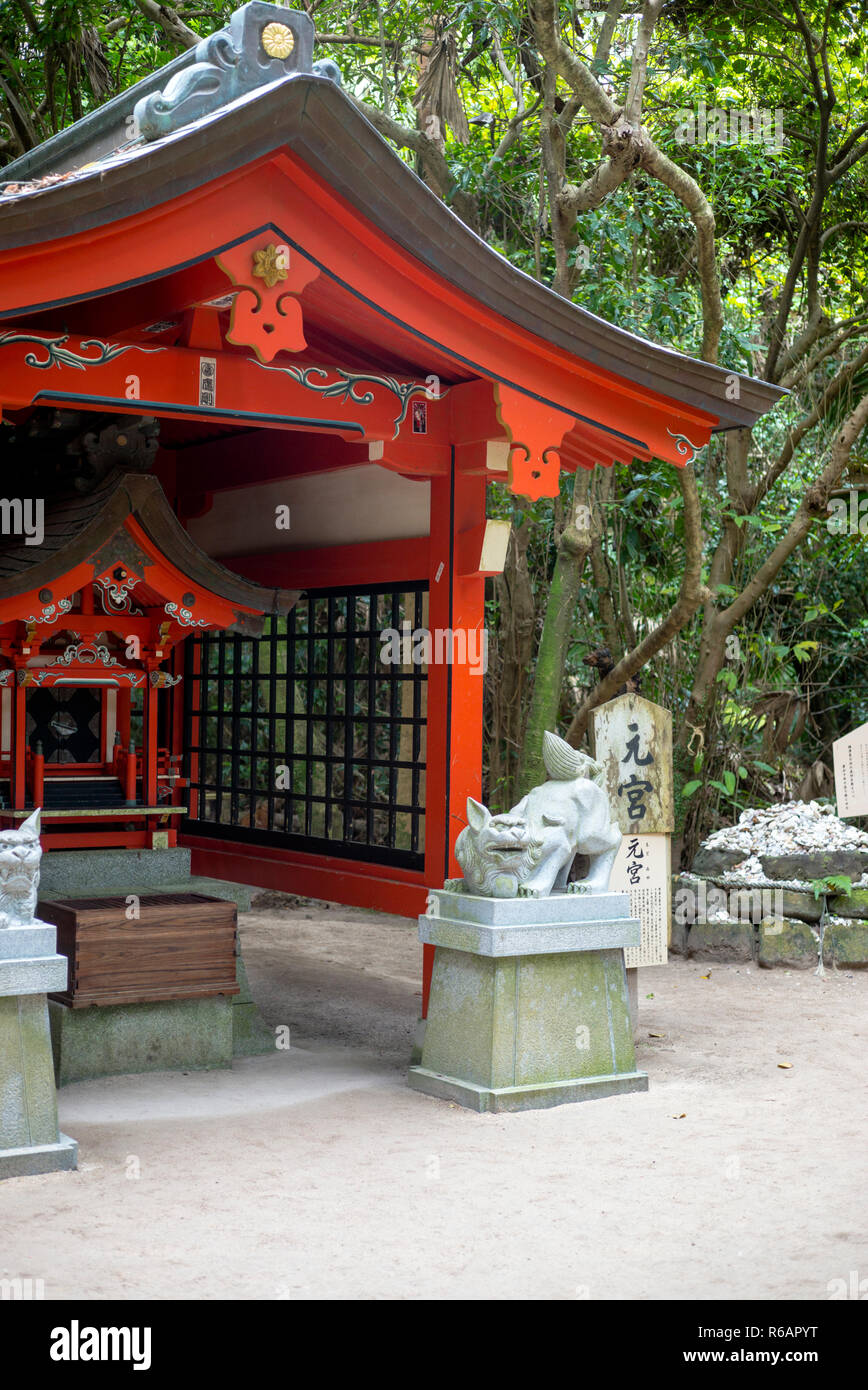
(168, 381)
(316, 876)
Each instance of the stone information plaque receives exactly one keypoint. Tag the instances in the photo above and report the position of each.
(643, 870)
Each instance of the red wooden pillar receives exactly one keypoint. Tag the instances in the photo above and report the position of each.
(19, 748)
(197, 702)
(149, 745)
(38, 776)
(105, 748)
(456, 603)
(130, 766)
(176, 717)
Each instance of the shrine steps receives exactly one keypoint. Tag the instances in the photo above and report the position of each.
(82, 794)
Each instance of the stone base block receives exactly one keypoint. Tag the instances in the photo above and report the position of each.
(539, 1097)
(418, 1043)
(250, 1036)
(28, 1100)
(678, 938)
(848, 944)
(175, 1035)
(73, 873)
(39, 1158)
(633, 997)
(856, 905)
(803, 906)
(722, 941)
(66, 873)
(791, 943)
(30, 1141)
(28, 943)
(808, 865)
(527, 1031)
(41, 976)
(560, 909)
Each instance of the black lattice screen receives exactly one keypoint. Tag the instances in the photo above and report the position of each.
(305, 736)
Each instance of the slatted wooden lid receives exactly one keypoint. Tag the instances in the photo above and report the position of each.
(145, 900)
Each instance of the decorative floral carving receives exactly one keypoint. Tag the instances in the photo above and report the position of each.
(227, 64)
(345, 386)
(129, 444)
(57, 355)
(684, 447)
(114, 594)
(183, 617)
(121, 550)
(48, 677)
(51, 611)
(87, 654)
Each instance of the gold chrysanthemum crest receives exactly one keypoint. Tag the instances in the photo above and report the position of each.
(278, 40)
(270, 265)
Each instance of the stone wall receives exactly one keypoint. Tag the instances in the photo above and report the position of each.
(771, 923)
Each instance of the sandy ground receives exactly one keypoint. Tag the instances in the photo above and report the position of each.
(315, 1172)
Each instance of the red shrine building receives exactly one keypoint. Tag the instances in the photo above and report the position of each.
(255, 381)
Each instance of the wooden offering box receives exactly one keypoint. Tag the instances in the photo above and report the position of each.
(180, 946)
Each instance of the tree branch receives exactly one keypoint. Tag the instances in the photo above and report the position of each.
(841, 379)
(170, 22)
(689, 598)
(814, 504)
(639, 67)
(607, 31)
(631, 147)
(433, 162)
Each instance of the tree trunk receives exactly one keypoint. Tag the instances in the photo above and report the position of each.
(573, 550)
(511, 656)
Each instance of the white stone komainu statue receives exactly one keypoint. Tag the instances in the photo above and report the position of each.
(528, 851)
(20, 855)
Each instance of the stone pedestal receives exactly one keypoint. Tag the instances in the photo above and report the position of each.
(528, 1005)
(130, 1039)
(167, 1035)
(30, 1141)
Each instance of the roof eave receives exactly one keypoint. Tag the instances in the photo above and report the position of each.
(315, 121)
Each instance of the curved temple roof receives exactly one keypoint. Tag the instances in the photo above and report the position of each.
(92, 175)
(78, 529)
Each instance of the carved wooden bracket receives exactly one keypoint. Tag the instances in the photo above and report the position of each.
(535, 432)
(265, 315)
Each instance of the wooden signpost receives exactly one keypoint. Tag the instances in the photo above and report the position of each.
(850, 755)
(632, 740)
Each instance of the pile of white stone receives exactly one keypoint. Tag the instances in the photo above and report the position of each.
(794, 827)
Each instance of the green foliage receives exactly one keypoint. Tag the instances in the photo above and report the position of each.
(832, 883)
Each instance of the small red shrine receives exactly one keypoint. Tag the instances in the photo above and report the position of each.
(247, 358)
(88, 621)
